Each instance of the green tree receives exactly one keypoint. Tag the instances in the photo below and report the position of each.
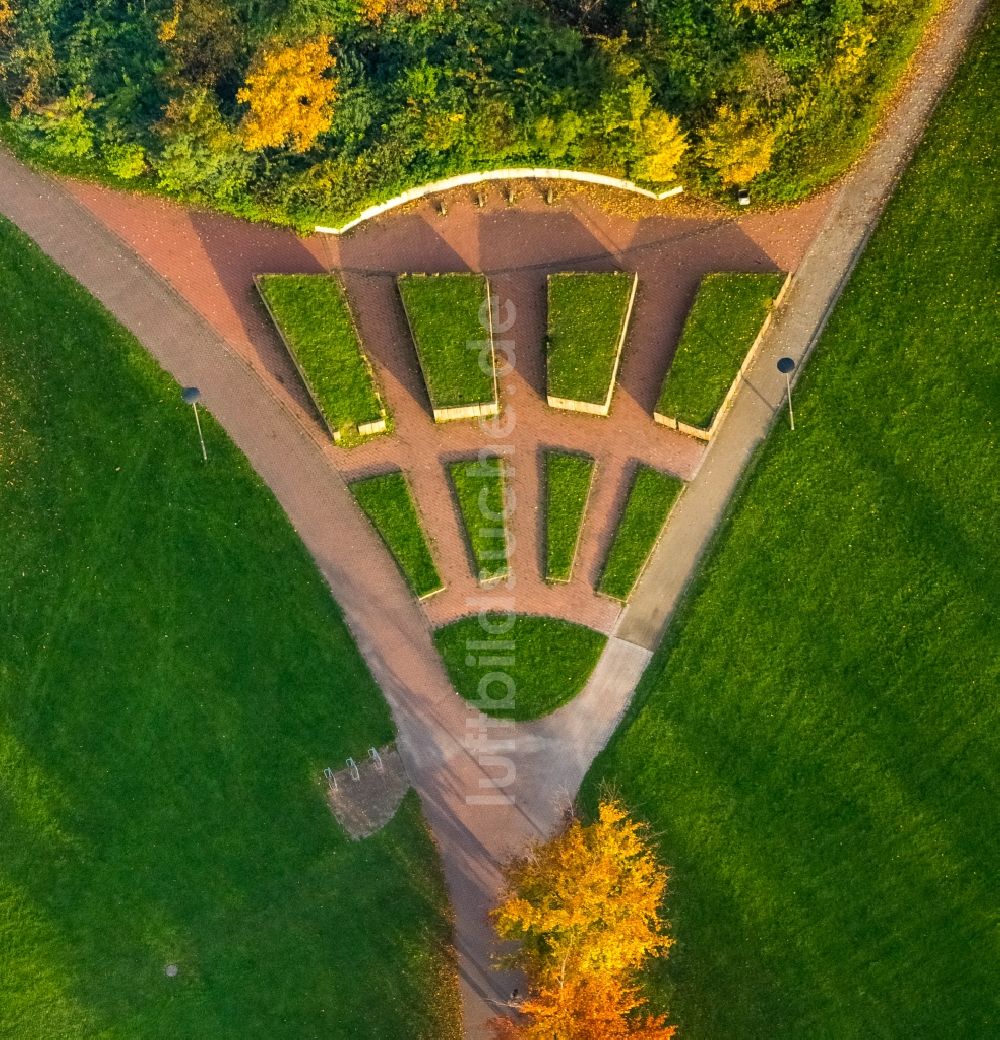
(201, 41)
(64, 127)
(201, 155)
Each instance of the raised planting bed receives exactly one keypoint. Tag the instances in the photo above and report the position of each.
(450, 322)
(388, 503)
(315, 322)
(730, 314)
(546, 662)
(478, 484)
(587, 323)
(649, 501)
(568, 477)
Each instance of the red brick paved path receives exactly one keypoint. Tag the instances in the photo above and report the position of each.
(211, 261)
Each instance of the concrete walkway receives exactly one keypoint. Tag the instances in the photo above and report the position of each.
(486, 789)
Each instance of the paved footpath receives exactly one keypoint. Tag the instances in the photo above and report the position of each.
(458, 764)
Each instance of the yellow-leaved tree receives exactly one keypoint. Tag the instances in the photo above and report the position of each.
(289, 95)
(586, 908)
(664, 143)
(737, 145)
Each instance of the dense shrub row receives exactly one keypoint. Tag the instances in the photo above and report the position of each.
(304, 111)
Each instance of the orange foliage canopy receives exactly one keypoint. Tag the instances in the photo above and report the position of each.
(585, 908)
(587, 902)
(289, 95)
(591, 1009)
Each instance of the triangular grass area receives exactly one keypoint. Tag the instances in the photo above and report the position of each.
(649, 501)
(479, 485)
(449, 318)
(314, 319)
(587, 323)
(174, 676)
(568, 477)
(816, 744)
(388, 503)
(725, 320)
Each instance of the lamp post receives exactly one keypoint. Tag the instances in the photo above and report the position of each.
(192, 395)
(786, 366)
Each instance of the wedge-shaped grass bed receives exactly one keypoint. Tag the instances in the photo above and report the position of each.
(388, 503)
(587, 323)
(550, 662)
(568, 476)
(315, 322)
(450, 322)
(649, 501)
(479, 486)
(725, 323)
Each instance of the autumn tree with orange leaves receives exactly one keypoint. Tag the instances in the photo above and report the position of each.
(586, 909)
(289, 95)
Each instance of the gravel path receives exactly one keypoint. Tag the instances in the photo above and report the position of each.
(181, 281)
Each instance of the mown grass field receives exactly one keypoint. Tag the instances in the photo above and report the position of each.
(388, 503)
(315, 320)
(549, 664)
(650, 499)
(479, 487)
(450, 326)
(817, 743)
(568, 478)
(586, 316)
(728, 312)
(173, 678)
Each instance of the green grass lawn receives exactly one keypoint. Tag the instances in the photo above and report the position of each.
(388, 503)
(315, 321)
(451, 332)
(479, 487)
(173, 678)
(586, 319)
(817, 743)
(567, 486)
(547, 661)
(726, 316)
(649, 501)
